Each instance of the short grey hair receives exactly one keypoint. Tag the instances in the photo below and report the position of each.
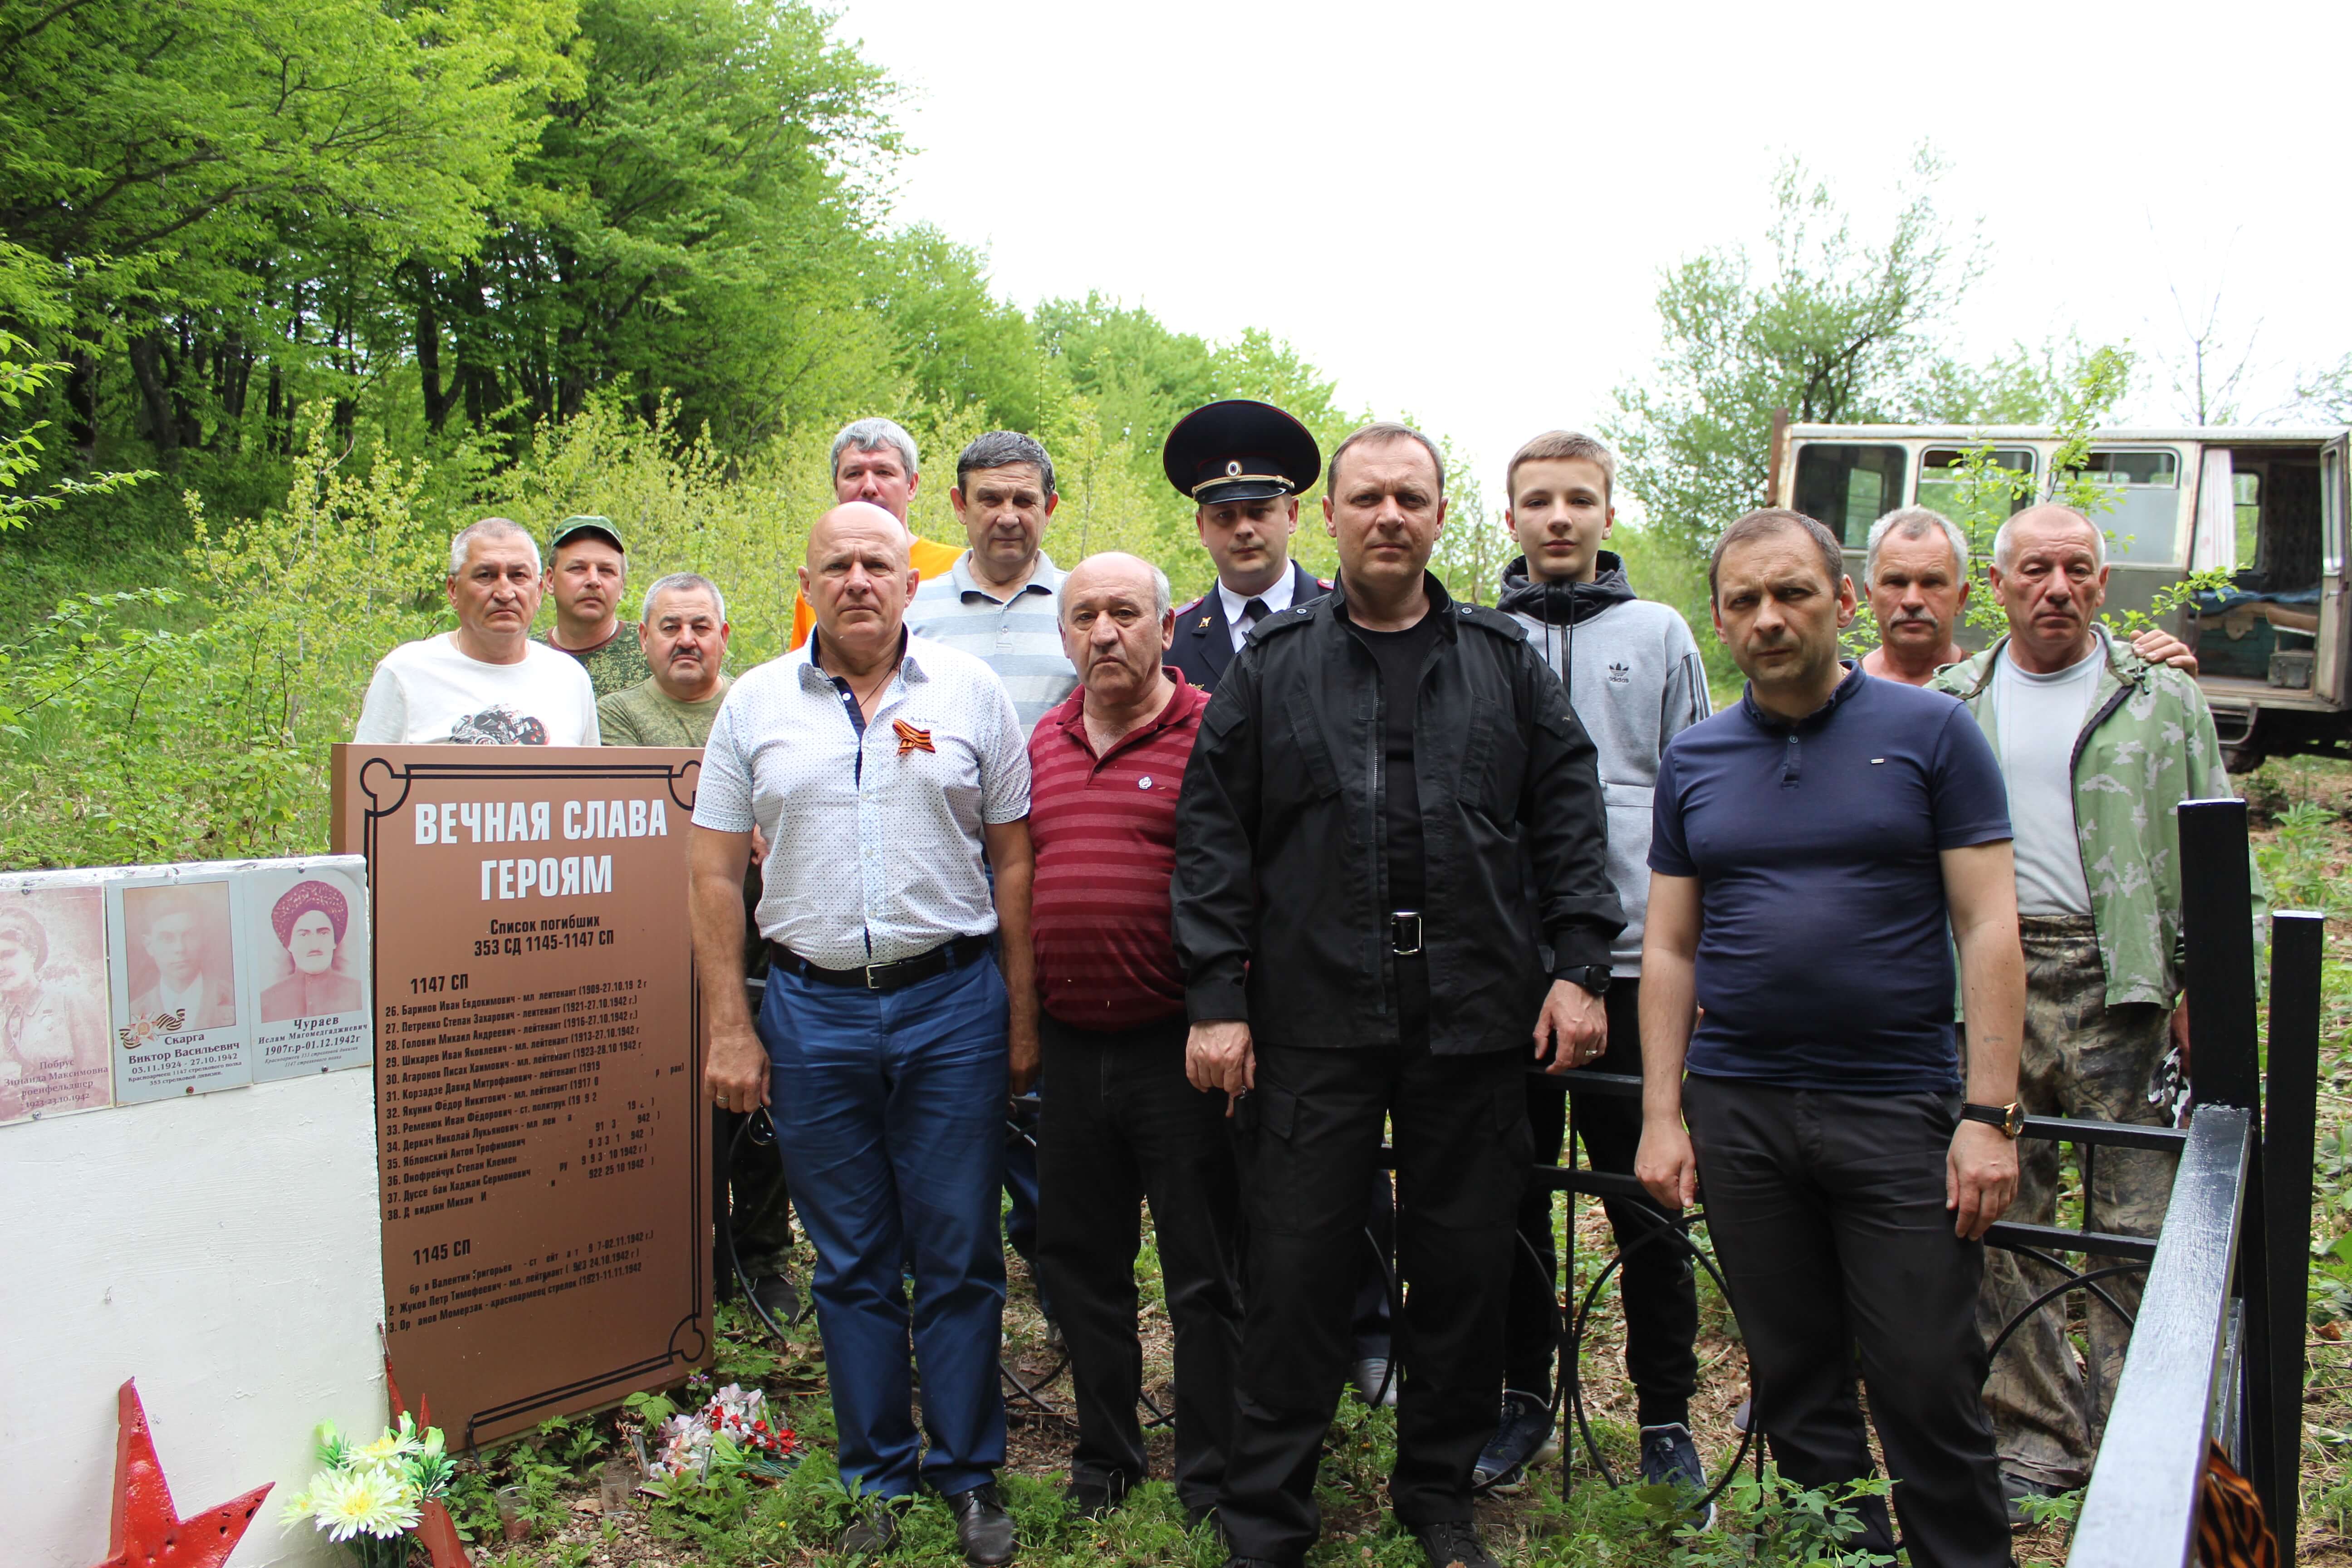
(1002, 449)
(2004, 543)
(1776, 520)
(1914, 523)
(490, 528)
(683, 582)
(872, 436)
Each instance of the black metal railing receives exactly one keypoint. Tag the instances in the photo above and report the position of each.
(2217, 1354)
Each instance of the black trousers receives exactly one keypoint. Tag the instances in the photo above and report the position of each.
(1654, 1281)
(1308, 1139)
(1827, 1212)
(1122, 1126)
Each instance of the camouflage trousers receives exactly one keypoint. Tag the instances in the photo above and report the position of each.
(2084, 1060)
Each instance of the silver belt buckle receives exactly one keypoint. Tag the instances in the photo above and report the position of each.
(1404, 933)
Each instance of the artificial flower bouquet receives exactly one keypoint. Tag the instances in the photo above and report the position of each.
(371, 1495)
(733, 1431)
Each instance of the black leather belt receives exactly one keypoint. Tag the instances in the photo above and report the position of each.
(1404, 933)
(883, 976)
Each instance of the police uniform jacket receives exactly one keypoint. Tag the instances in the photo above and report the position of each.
(1204, 638)
(1280, 901)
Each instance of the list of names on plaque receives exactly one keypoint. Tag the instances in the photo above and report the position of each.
(539, 1116)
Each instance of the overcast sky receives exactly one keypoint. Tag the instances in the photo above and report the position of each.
(1462, 210)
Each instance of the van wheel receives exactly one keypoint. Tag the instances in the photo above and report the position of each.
(2241, 759)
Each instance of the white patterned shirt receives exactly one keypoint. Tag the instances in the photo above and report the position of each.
(873, 841)
(1020, 638)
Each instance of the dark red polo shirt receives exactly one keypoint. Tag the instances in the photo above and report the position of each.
(1104, 830)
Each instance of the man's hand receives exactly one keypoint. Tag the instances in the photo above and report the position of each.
(1980, 1178)
(2180, 1036)
(737, 1073)
(1219, 1055)
(1022, 1052)
(1573, 1027)
(2160, 646)
(1665, 1165)
(759, 845)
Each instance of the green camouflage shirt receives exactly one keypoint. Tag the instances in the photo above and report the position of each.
(2147, 745)
(615, 665)
(645, 715)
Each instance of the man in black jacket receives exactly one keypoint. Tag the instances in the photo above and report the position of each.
(1375, 776)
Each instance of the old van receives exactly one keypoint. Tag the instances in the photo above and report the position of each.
(2266, 506)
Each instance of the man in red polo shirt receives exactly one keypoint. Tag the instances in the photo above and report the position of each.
(1123, 1124)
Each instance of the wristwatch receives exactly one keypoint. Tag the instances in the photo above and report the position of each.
(2009, 1118)
(1594, 977)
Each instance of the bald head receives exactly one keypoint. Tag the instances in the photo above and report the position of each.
(1116, 568)
(858, 581)
(859, 520)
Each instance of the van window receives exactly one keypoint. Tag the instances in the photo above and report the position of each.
(2144, 523)
(1944, 483)
(1848, 487)
(2249, 506)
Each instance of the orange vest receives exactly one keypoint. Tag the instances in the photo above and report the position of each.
(929, 560)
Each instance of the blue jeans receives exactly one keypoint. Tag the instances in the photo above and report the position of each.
(890, 1109)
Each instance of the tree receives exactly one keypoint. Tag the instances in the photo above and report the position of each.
(1836, 329)
(171, 157)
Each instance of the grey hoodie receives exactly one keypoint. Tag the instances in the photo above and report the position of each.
(1635, 677)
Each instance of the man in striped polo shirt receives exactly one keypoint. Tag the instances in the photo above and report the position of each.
(1123, 1125)
(1000, 602)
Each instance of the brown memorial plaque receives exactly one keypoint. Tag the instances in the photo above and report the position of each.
(542, 1144)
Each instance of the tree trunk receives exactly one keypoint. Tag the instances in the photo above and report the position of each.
(155, 397)
(437, 401)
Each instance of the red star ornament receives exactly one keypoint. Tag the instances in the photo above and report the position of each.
(148, 1532)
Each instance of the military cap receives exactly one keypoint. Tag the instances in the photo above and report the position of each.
(1239, 450)
(587, 523)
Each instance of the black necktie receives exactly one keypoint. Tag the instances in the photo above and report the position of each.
(1254, 612)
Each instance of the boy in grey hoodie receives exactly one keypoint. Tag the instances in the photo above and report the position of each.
(1633, 676)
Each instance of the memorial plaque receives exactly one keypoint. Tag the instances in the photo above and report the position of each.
(540, 1127)
(307, 981)
(176, 958)
(54, 1039)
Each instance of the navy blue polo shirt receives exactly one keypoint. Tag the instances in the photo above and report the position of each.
(1824, 959)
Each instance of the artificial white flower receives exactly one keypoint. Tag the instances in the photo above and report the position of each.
(366, 1499)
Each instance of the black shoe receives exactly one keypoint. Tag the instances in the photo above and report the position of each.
(1092, 1496)
(1523, 1439)
(1453, 1544)
(875, 1528)
(1251, 1563)
(983, 1529)
(780, 1297)
(1670, 1458)
(2014, 1490)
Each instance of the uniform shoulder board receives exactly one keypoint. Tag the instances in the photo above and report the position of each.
(1492, 620)
(1182, 610)
(1323, 584)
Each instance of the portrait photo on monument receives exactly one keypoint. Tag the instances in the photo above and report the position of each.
(53, 1034)
(178, 1024)
(307, 935)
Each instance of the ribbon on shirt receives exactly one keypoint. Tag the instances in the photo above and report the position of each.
(911, 739)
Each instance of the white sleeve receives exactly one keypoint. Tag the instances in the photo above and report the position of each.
(1004, 786)
(723, 794)
(590, 730)
(383, 717)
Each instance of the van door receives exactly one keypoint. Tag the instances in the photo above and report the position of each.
(2328, 676)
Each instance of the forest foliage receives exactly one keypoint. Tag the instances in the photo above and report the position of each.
(293, 291)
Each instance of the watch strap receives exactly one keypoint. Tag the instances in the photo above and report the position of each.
(2009, 1118)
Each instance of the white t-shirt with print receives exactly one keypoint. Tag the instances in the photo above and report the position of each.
(429, 693)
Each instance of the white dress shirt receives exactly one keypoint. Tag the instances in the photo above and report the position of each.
(873, 841)
(1276, 599)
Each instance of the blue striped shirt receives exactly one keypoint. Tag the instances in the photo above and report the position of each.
(1019, 637)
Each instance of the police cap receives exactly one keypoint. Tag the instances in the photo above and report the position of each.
(1240, 450)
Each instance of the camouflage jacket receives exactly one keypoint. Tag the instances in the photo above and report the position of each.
(2147, 745)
